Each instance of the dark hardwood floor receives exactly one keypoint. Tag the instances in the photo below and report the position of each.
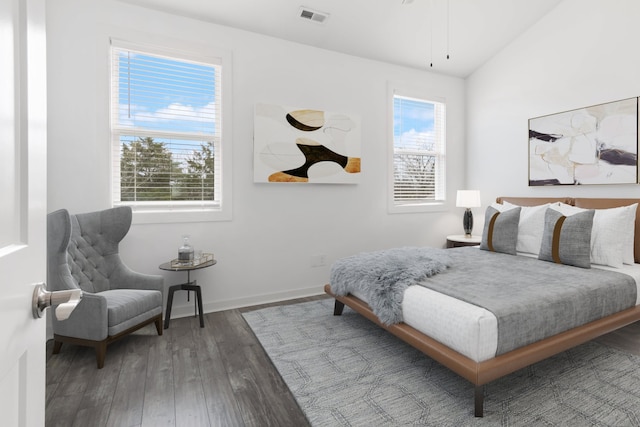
(218, 375)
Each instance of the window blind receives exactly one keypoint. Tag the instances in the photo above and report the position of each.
(166, 128)
(418, 150)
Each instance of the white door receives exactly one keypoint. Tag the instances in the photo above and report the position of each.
(23, 127)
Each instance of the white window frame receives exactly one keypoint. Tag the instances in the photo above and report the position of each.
(418, 205)
(182, 211)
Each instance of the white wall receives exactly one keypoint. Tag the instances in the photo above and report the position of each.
(584, 52)
(264, 252)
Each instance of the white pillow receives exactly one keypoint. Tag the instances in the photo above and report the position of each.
(612, 235)
(628, 246)
(530, 227)
(501, 207)
(565, 209)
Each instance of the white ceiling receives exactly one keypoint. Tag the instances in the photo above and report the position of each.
(414, 34)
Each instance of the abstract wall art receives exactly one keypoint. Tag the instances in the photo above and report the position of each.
(298, 145)
(592, 145)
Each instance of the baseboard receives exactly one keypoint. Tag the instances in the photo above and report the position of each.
(211, 307)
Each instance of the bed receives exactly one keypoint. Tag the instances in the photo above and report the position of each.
(481, 365)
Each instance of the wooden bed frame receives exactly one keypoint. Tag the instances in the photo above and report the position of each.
(481, 373)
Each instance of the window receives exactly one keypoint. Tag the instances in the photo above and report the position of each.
(166, 130)
(418, 156)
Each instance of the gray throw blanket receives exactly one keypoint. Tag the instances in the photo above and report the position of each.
(383, 276)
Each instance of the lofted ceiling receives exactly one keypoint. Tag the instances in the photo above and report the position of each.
(414, 33)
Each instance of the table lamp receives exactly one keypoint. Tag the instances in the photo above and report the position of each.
(468, 199)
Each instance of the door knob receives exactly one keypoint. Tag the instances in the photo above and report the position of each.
(66, 301)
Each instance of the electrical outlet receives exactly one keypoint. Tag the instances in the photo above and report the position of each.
(318, 260)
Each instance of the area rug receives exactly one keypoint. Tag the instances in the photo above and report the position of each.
(346, 371)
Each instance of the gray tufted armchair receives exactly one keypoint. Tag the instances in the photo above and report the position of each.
(82, 252)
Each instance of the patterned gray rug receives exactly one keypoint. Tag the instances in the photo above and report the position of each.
(345, 371)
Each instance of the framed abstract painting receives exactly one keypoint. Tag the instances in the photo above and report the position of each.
(298, 145)
(591, 145)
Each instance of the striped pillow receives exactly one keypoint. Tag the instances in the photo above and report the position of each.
(500, 232)
(567, 239)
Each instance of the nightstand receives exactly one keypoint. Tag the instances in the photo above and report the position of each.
(458, 240)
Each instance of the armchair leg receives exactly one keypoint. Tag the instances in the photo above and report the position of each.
(158, 323)
(101, 353)
(101, 346)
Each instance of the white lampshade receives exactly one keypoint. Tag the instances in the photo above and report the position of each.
(468, 199)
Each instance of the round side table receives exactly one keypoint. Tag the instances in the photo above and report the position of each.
(188, 286)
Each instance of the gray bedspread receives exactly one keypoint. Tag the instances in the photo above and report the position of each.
(531, 299)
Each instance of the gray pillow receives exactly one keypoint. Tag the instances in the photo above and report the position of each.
(567, 239)
(500, 232)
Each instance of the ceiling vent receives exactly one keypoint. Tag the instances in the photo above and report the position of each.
(312, 15)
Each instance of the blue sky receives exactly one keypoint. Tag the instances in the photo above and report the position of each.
(154, 92)
(413, 122)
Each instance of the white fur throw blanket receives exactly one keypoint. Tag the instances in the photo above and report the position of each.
(382, 276)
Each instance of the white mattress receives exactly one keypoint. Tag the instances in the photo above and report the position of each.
(468, 329)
